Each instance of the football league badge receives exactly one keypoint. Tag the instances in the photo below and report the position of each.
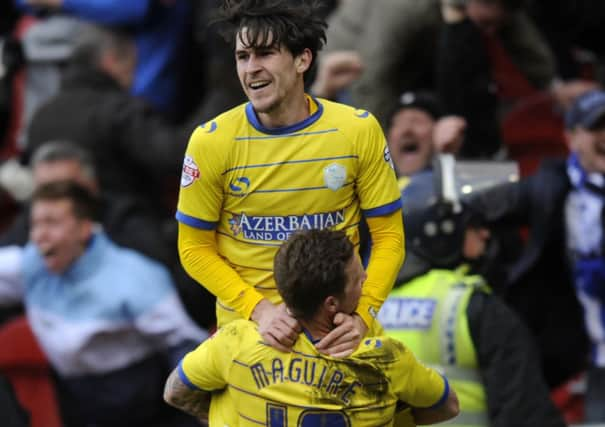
(190, 172)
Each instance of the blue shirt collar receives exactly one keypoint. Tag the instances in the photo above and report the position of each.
(284, 130)
(310, 337)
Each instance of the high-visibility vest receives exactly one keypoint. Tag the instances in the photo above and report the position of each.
(428, 314)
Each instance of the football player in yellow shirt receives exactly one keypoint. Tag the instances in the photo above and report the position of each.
(282, 162)
(249, 383)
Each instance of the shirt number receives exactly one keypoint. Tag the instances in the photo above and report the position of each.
(277, 416)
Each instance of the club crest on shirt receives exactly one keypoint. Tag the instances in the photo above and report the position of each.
(335, 176)
(190, 172)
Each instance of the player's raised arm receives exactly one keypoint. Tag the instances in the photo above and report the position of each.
(201, 260)
(381, 204)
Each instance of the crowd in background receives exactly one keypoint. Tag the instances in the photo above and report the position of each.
(106, 94)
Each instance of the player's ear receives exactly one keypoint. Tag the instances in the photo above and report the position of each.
(331, 304)
(302, 61)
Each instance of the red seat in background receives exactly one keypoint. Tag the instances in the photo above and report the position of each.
(26, 367)
(532, 130)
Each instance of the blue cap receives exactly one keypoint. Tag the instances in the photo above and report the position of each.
(586, 111)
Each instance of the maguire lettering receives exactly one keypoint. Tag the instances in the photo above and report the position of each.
(309, 372)
(350, 391)
(278, 371)
(312, 373)
(295, 371)
(321, 377)
(333, 385)
(260, 376)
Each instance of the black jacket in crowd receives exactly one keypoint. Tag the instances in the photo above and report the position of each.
(510, 366)
(138, 159)
(134, 150)
(539, 282)
(464, 83)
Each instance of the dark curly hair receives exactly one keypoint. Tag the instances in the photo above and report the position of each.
(310, 267)
(295, 24)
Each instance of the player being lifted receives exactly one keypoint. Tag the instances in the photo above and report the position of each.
(284, 161)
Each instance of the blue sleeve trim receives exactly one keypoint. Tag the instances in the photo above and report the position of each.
(184, 378)
(195, 222)
(384, 210)
(446, 393)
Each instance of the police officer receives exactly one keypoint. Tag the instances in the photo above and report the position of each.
(450, 319)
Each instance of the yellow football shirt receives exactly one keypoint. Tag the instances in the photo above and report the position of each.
(255, 384)
(256, 186)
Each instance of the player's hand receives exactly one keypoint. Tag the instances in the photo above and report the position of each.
(453, 11)
(336, 71)
(448, 134)
(277, 327)
(345, 337)
(565, 93)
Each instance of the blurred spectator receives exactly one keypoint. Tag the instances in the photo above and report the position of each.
(159, 28)
(557, 283)
(397, 40)
(464, 82)
(133, 149)
(137, 155)
(417, 129)
(64, 161)
(446, 314)
(108, 318)
(479, 78)
(47, 44)
(60, 160)
(417, 133)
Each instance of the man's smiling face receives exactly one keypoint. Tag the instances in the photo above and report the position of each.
(268, 74)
